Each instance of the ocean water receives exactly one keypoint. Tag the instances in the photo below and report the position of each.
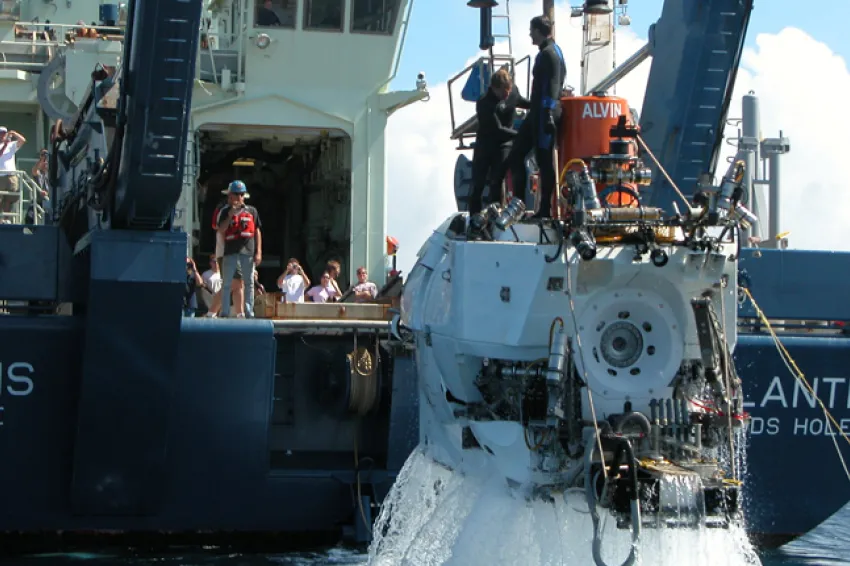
(472, 529)
(829, 545)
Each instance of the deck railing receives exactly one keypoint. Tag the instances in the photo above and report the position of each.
(27, 192)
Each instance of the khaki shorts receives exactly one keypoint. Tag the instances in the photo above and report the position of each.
(9, 184)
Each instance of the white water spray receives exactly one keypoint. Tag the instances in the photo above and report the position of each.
(435, 517)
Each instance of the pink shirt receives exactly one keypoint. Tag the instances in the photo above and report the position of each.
(321, 294)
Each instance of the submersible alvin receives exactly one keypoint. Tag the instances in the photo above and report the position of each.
(693, 54)
(592, 350)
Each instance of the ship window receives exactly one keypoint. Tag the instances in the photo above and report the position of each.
(323, 15)
(374, 16)
(275, 13)
(10, 10)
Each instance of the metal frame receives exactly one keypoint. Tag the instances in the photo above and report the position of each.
(318, 326)
(294, 8)
(467, 129)
(342, 17)
(390, 28)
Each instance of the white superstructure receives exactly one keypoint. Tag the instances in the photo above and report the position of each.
(297, 109)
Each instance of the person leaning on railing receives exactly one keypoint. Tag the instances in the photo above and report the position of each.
(365, 290)
(42, 196)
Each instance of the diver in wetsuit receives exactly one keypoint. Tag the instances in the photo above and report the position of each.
(539, 130)
(495, 111)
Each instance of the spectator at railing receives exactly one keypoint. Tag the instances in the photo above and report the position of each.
(333, 270)
(42, 197)
(293, 282)
(10, 143)
(324, 291)
(364, 291)
(211, 286)
(193, 281)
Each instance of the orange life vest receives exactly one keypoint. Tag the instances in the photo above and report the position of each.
(241, 226)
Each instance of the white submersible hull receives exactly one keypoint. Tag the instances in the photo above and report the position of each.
(592, 353)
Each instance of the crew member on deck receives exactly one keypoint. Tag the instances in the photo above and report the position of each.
(539, 130)
(266, 16)
(495, 111)
(243, 245)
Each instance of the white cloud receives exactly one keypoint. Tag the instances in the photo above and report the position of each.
(799, 81)
(801, 84)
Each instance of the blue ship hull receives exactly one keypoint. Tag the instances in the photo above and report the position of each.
(794, 477)
(222, 465)
(256, 440)
(217, 473)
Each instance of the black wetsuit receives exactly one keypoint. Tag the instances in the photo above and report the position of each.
(539, 130)
(493, 144)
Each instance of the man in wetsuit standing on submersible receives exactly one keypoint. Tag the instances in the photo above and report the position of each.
(495, 111)
(539, 130)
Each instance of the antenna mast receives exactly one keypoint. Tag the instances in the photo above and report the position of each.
(549, 12)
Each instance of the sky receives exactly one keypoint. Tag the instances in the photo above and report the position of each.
(795, 60)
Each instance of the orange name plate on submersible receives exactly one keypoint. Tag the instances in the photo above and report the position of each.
(586, 125)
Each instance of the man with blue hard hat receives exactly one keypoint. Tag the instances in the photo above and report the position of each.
(239, 225)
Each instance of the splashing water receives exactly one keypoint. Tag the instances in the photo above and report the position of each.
(433, 516)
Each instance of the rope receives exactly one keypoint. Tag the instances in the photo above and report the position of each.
(574, 318)
(798, 374)
(366, 522)
(664, 172)
(727, 369)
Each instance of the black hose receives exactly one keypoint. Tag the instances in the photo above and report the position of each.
(619, 189)
(560, 246)
(624, 448)
(634, 416)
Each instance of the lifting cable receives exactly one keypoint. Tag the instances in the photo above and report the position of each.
(362, 398)
(664, 172)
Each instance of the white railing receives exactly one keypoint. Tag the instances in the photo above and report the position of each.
(43, 41)
(216, 48)
(27, 194)
(55, 35)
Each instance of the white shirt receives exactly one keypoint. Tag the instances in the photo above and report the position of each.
(7, 159)
(293, 288)
(321, 294)
(212, 279)
(366, 286)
